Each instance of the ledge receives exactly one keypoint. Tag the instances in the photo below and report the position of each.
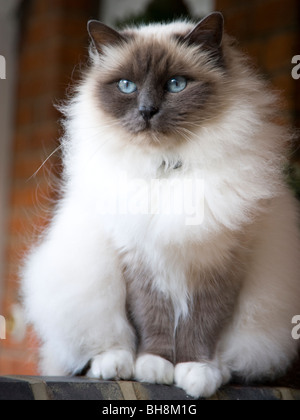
(57, 388)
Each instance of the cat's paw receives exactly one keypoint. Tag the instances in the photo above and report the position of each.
(154, 369)
(198, 379)
(113, 364)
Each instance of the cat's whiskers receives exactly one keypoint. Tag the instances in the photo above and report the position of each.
(44, 163)
(58, 148)
(103, 126)
(185, 133)
(155, 138)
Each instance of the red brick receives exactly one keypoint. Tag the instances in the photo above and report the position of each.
(18, 363)
(53, 40)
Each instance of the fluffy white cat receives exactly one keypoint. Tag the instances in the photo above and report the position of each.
(136, 287)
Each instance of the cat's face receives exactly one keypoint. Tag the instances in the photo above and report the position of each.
(159, 84)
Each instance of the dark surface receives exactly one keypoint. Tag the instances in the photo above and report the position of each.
(11, 389)
(52, 388)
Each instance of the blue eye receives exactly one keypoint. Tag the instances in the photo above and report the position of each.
(126, 86)
(176, 84)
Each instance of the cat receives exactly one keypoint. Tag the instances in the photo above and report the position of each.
(126, 282)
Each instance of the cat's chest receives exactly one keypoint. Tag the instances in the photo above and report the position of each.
(149, 203)
(168, 205)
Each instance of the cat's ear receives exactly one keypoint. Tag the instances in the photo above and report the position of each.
(102, 35)
(208, 32)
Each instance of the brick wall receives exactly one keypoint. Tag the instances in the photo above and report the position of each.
(53, 41)
(269, 31)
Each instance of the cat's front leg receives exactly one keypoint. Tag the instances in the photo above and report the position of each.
(198, 371)
(155, 360)
(75, 296)
(153, 318)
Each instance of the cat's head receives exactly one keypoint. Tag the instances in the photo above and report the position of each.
(159, 81)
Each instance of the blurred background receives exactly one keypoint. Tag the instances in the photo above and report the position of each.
(44, 43)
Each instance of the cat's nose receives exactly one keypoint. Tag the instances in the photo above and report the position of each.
(147, 112)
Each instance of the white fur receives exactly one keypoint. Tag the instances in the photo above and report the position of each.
(112, 364)
(73, 288)
(198, 379)
(154, 369)
(258, 343)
